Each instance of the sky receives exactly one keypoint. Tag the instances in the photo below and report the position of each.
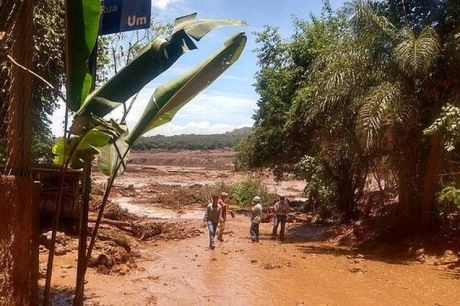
(230, 101)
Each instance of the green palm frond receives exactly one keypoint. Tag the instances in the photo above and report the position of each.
(380, 108)
(337, 77)
(417, 54)
(371, 20)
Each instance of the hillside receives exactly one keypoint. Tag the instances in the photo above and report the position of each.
(192, 141)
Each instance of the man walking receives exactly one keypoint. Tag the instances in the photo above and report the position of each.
(212, 217)
(256, 217)
(281, 209)
(223, 204)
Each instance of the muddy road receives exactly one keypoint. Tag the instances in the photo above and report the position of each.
(309, 268)
(306, 269)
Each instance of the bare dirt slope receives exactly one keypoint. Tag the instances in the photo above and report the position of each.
(214, 159)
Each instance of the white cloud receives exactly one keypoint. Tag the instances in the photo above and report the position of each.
(202, 127)
(163, 4)
(209, 113)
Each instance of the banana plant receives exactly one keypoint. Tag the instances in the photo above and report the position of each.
(90, 135)
(153, 60)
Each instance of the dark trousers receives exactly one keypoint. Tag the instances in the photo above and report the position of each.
(279, 219)
(254, 231)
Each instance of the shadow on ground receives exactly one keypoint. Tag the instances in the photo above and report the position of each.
(59, 296)
(393, 248)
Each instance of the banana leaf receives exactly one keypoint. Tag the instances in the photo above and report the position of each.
(87, 145)
(170, 97)
(153, 60)
(111, 155)
(199, 28)
(82, 27)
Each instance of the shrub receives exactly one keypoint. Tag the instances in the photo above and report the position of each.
(319, 189)
(206, 191)
(449, 200)
(246, 190)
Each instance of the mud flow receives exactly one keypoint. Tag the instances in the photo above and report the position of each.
(176, 267)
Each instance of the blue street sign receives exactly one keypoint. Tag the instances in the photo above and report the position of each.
(125, 15)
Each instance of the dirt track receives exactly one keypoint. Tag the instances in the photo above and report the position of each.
(307, 269)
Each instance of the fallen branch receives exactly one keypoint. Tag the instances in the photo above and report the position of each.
(110, 222)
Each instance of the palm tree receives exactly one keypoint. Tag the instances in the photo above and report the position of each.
(380, 83)
(403, 103)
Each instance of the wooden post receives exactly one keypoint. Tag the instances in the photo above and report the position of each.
(83, 234)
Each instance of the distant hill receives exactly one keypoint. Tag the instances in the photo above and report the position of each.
(192, 141)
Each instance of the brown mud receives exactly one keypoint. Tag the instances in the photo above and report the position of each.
(176, 267)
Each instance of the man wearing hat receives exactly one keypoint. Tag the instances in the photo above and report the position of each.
(212, 217)
(256, 217)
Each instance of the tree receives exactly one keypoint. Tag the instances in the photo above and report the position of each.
(48, 63)
(421, 75)
(305, 110)
(353, 91)
(18, 214)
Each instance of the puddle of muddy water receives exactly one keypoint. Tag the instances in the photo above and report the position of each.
(156, 212)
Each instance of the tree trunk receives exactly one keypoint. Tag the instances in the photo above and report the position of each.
(431, 180)
(409, 189)
(345, 193)
(19, 140)
(18, 241)
(418, 169)
(18, 216)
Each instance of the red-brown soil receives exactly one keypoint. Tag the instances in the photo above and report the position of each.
(310, 268)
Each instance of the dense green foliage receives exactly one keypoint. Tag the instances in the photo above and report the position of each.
(355, 88)
(245, 191)
(240, 193)
(192, 142)
(48, 62)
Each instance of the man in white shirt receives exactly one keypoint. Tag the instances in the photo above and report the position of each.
(256, 218)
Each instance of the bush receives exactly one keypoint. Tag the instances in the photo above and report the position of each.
(240, 193)
(245, 191)
(206, 191)
(319, 189)
(449, 200)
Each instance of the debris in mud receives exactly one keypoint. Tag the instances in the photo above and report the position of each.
(64, 243)
(166, 230)
(270, 266)
(112, 254)
(112, 261)
(356, 270)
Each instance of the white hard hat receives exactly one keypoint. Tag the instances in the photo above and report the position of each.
(256, 199)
